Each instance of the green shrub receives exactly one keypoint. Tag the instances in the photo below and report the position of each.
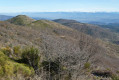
(23, 69)
(3, 58)
(31, 56)
(11, 68)
(87, 65)
(1, 71)
(115, 77)
(8, 68)
(17, 50)
(7, 50)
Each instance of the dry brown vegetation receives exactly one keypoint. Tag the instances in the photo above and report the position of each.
(92, 30)
(62, 46)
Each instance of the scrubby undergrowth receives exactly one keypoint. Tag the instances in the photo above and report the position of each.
(65, 53)
(10, 68)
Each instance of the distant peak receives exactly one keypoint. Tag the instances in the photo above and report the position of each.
(24, 16)
(20, 15)
(21, 20)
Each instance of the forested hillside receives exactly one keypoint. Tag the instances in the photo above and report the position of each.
(46, 50)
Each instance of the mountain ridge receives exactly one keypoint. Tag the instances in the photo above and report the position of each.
(74, 49)
(92, 30)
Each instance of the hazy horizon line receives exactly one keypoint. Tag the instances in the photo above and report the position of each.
(65, 11)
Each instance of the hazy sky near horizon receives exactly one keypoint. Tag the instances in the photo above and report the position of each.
(59, 5)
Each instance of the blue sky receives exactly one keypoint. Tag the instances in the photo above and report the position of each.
(59, 5)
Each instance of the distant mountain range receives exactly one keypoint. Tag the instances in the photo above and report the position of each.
(4, 17)
(88, 17)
